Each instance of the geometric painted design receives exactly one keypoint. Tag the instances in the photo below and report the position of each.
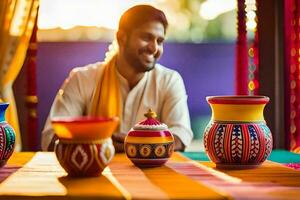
(107, 152)
(170, 150)
(10, 141)
(254, 143)
(160, 150)
(268, 138)
(238, 143)
(149, 155)
(7, 142)
(131, 150)
(79, 157)
(206, 132)
(145, 150)
(2, 142)
(84, 159)
(219, 139)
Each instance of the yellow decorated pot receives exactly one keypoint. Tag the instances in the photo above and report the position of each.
(237, 135)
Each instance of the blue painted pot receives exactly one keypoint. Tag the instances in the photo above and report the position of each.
(7, 136)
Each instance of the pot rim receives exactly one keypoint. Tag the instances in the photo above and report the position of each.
(238, 99)
(82, 119)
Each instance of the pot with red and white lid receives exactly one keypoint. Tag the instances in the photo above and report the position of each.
(149, 143)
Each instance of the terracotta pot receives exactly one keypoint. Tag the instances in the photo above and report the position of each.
(84, 147)
(84, 158)
(149, 143)
(237, 135)
(7, 137)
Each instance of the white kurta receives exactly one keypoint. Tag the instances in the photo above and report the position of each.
(160, 89)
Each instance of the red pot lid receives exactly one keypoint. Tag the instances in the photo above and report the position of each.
(151, 123)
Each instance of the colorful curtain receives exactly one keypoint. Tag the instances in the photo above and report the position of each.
(17, 18)
(292, 72)
(31, 139)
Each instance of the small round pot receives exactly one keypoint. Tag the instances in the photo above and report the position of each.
(84, 158)
(237, 136)
(149, 143)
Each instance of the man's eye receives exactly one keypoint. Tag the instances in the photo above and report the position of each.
(160, 41)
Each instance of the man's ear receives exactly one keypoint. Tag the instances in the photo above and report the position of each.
(121, 38)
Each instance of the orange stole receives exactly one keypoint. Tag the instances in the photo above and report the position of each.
(106, 101)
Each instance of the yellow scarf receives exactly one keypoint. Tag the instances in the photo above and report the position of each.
(106, 101)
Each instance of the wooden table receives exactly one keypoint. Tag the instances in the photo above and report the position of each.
(39, 176)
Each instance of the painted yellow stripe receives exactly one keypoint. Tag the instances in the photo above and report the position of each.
(149, 140)
(239, 113)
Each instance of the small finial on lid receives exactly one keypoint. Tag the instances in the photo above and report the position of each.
(150, 114)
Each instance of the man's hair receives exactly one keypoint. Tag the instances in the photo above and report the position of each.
(139, 15)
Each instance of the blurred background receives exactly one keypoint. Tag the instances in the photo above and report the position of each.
(216, 45)
(200, 45)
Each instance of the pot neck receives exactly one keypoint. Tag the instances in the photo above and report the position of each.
(238, 113)
(3, 107)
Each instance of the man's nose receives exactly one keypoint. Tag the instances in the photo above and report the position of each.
(153, 47)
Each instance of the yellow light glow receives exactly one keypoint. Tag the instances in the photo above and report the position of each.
(211, 9)
(66, 14)
(251, 15)
(251, 25)
(251, 85)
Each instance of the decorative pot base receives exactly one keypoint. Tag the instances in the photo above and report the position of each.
(2, 163)
(146, 163)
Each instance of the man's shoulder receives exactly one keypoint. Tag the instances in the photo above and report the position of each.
(159, 68)
(87, 69)
(163, 72)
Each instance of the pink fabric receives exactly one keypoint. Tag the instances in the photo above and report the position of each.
(292, 73)
(287, 63)
(293, 165)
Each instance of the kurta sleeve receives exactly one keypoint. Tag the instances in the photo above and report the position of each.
(71, 100)
(175, 111)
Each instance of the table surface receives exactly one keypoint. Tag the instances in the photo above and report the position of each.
(38, 175)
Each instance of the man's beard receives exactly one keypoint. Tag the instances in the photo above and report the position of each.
(135, 62)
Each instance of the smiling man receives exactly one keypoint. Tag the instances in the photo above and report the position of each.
(128, 83)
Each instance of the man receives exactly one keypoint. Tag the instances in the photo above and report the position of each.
(128, 83)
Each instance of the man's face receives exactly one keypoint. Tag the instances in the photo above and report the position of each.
(144, 46)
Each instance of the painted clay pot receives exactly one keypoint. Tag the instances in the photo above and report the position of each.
(84, 147)
(237, 135)
(149, 143)
(7, 136)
